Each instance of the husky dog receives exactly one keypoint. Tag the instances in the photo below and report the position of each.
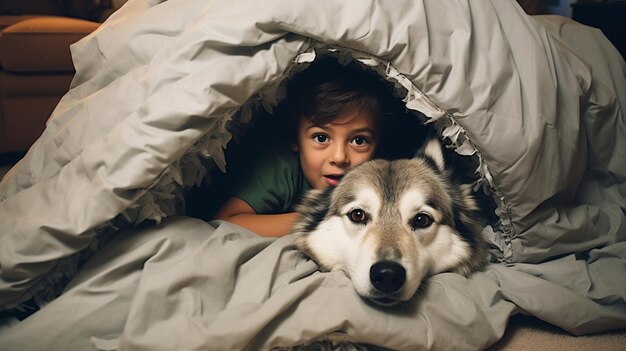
(391, 224)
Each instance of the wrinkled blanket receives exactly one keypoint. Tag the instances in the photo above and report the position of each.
(159, 90)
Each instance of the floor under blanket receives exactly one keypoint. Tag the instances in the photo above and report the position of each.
(528, 333)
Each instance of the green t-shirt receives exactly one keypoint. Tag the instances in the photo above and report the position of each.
(275, 184)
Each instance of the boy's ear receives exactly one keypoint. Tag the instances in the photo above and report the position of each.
(432, 149)
(294, 147)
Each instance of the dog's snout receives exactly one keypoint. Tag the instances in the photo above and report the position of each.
(387, 276)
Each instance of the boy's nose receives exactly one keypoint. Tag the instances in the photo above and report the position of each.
(339, 156)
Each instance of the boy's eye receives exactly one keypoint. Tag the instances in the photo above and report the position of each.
(360, 140)
(320, 138)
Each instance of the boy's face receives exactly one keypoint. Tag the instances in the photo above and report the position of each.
(328, 151)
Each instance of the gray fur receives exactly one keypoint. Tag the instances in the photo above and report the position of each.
(390, 180)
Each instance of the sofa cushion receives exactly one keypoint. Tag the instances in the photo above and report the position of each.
(41, 44)
(9, 20)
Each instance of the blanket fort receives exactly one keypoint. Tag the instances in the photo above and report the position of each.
(93, 231)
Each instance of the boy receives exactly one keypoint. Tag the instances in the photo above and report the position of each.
(333, 125)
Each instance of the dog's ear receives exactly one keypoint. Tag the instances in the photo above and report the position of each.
(432, 149)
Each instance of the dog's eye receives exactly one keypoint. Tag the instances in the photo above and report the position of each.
(357, 216)
(422, 220)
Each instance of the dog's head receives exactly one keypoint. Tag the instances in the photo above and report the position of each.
(390, 224)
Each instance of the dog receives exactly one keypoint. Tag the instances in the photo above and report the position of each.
(391, 224)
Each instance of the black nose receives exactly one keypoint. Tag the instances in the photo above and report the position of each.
(387, 276)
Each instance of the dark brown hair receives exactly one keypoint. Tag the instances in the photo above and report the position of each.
(327, 90)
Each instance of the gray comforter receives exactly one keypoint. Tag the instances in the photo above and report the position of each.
(539, 102)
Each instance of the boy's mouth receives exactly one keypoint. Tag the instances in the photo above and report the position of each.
(333, 179)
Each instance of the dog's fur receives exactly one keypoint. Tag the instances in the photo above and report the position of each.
(390, 224)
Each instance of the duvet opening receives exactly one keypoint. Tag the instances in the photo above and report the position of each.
(260, 121)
